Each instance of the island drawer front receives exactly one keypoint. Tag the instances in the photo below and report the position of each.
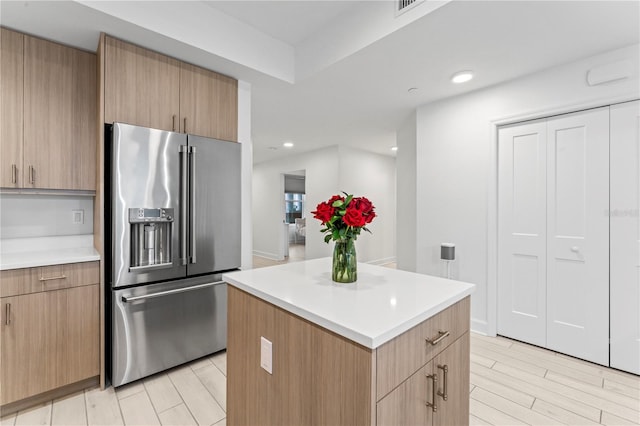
(47, 278)
(401, 357)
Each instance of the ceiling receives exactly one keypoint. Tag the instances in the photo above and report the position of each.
(356, 92)
(289, 21)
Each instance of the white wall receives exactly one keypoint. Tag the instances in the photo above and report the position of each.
(327, 171)
(244, 137)
(321, 181)
(406, 191)
(363, 173)
(37, 215)
(455, 147)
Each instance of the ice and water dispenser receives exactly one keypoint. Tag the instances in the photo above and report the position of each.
(151, 233)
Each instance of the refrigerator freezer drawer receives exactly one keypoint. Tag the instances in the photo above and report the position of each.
(159, 326)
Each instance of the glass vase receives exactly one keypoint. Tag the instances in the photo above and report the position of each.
(345, 267)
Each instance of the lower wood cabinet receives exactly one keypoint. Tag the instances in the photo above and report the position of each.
(50, 338)
(437, 394)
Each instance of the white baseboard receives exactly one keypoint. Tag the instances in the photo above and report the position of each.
(480, 327)
(266, 255)
(383, 261)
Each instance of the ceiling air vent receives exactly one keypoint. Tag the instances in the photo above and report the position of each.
(403, 5)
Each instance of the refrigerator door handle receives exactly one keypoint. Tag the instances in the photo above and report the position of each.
(192, 197)
(183, 204)
(128, 299)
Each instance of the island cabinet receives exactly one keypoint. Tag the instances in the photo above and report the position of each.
(436, 394)
(50, 332)
(319, 377)
(145, 88)
(48, 108)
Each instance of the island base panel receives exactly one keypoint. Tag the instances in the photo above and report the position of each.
(318, 377)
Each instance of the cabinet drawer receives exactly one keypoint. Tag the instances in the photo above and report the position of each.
(399, 358)
(47, 278)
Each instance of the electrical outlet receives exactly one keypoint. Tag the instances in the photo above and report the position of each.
(77, 217)
(266, 355)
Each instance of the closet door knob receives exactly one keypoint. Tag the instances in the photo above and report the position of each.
(575, 249)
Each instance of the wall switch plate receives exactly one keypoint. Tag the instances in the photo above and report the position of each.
(266, 355)
(78, 217)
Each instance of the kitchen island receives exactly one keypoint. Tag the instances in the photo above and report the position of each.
(392, 348)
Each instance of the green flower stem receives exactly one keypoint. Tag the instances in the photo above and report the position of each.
(345, 267)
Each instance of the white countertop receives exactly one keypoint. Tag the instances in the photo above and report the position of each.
(32, 252)
(381, 305)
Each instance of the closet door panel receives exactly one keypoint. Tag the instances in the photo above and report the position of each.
(522, 232)
(625, 236)
(578, 234)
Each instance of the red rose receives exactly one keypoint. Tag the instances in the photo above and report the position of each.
(353, 217)
(334, 199)
(323, 212)
(368, 218)
(363, 204)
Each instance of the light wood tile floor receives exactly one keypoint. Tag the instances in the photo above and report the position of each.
(512, 383)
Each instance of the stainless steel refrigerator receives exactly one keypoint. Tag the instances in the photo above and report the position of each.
(174, 220)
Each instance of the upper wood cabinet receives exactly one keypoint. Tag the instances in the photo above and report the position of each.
(208, 103)
(141, 87)
(148, 89)
(59, 116)
(11, 104)
(48, 111)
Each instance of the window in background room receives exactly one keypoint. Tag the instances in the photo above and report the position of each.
(294, 206)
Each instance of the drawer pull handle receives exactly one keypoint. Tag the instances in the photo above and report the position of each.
(14, 174)
(441, 336)
(173, 122)
(7, 314)
(32, 175)
(184, 129)
(434, 387)
(61, 277)
(445, 370)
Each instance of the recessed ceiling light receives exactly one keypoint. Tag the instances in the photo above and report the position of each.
(462, 77)
(288, 144)
(394, 148)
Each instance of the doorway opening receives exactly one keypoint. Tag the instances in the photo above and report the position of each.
(295, 214)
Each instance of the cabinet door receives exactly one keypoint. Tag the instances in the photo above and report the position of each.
(141, 87)
(208, 103)
(625, 236)
(452, 368)
(407, 404)
(11, 103)
(27, 347)
(59, 116)
(49, 339)
(77, 333)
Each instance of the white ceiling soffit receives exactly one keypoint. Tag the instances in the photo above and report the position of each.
(196, 24)
(369, 22)
(285, 40)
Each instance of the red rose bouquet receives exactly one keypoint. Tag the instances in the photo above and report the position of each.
(344, 217)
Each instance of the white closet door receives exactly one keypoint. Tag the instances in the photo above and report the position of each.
(625, 236)
(578, 235)
(522, 232)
